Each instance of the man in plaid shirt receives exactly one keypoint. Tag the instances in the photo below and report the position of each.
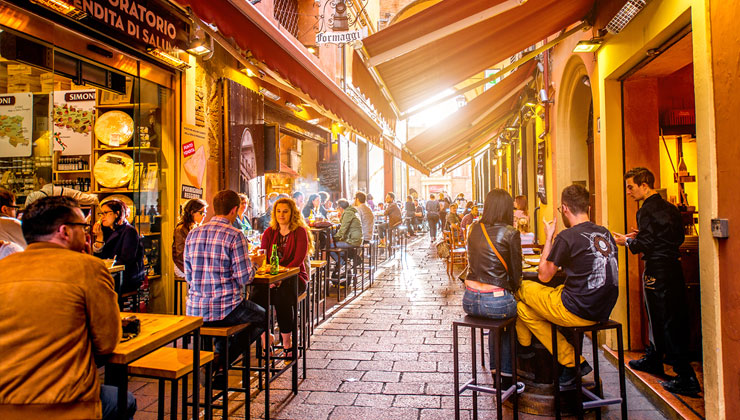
(217, 267)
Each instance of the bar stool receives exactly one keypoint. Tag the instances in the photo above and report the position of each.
(370, 250)
(342, 254)
(595, 401)
(179, 300)
(208, 335)
(173, 364)
(318, 273)
(496, 326)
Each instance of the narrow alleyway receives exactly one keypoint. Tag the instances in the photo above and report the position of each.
(388, 355)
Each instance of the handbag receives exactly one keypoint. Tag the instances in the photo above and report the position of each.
(443, 249)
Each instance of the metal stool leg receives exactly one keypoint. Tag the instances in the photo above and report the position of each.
(456, 370)
(622, 386)
(556, 377)
(579, 382)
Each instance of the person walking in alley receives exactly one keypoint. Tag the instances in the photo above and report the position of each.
(432, 216)
(659, 234)
(588, 255)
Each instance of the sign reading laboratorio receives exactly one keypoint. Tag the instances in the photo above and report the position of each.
(194, 161)
(340, 37)
(73, 116)
(146, 23)
(16, 123)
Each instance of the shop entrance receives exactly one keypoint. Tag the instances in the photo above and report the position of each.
(660, 134)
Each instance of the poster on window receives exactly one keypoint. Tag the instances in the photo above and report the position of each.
(194, 158)
(73, 113)
(16, 119)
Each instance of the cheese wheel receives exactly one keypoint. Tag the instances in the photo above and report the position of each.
(114, 170)
(114, 128)
(127, 200)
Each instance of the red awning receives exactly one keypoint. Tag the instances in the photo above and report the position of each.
(361, 77)
(415, 62)
(477, 121)
(268, 43)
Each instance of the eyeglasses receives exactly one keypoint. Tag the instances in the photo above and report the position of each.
(105, 213)
(560, 209)
(85, 226)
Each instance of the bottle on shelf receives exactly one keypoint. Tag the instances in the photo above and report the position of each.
(274, 261)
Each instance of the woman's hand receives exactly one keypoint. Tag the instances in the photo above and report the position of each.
(98, 231)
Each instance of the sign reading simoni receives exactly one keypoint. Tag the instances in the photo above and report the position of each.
(340, 37)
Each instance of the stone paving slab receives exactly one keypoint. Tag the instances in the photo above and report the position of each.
(388, 355)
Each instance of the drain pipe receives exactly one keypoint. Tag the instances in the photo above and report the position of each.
(536, 223)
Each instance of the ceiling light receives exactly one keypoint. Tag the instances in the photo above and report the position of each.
(625, 15)
(312, 50)
(512, 128)
(201, 42)
(167, 58)
(293, 106)
(588, 46)
(248, 72)
(62, 7)
(269, 94)
(500, 152)
(544, 97)
(314, 121)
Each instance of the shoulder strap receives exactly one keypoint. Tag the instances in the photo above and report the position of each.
(488, 238)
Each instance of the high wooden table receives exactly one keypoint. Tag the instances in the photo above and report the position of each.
(266, 280)
(157, 330)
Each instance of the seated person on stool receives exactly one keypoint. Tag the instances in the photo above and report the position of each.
(408, 212)
(294, 242)
(59, 312)
(453, 219)
(349, 234)
(366, 216)
(491, 282)
(418, 218)
(587, 254)
(217, 267)
(193, 214)
(393, 216)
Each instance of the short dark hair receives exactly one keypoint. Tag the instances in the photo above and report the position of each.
(7, 198)
(498, 208)
(641, 176)
(392, 196)
(297, 194)
(44, 216)
(343, 203)
(224, 201)
(577, 198)
(431, 196)
(119, 208)
(361, 197)
(324, 195)
(409, 198)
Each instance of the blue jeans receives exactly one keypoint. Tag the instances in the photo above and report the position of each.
(335, 255)
(485, 305)
(246, 311)
(109, 401)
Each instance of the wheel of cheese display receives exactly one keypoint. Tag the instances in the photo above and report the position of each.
(114, 170)
(127, 200)
(114, 128)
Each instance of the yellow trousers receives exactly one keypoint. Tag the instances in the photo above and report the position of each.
(540, 306)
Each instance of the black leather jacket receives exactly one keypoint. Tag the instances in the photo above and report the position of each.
(485, 267)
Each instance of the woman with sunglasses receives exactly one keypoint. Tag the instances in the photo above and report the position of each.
(193, 214)
(114, 237)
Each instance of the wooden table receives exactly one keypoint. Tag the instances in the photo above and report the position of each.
(265, 280)
(117, 272)
(157, 330)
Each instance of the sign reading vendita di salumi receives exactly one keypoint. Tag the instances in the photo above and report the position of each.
(141, 23)
(340, 37)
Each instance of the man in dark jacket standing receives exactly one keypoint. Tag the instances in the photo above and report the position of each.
(660, 233)
(432, 216)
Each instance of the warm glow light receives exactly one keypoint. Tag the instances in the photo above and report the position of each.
(587, 46)
(248, 71)
(312, 50)
(269, 94)
(293, 106)
(62, 7)
(199, 50)
(168, 59)
(436, 113)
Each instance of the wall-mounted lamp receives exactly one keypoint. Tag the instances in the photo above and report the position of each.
(588, 46)
(167, 58)
(311, 49)
(545, 97)
(201, 43)
(248, 71)
(269, 94)
(293, 106)
(62, 7)
(512, 128)
(314, 121)
(542, 135)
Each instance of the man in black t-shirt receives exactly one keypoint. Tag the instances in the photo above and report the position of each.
(588, 255)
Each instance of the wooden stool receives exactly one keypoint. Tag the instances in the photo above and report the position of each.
(226, 333)
(172, 364)
(595, 400)
(318, 272)
(304, 339)
(177, 306)
(496, 326)
(341, 253)
(372, 258)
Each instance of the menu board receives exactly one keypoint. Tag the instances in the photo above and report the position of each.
(330, 176)
(73, 114)
(16, 119)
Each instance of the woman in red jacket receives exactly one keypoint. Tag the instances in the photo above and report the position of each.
(294, 243)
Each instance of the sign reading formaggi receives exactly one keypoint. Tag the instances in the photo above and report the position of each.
(340, 37)
(147, 23)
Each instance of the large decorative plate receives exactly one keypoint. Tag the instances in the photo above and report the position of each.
(114, 128)
(125, 199)
(114, 170)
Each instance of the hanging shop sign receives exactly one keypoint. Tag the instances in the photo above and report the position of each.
(340, 37)
(141, 24)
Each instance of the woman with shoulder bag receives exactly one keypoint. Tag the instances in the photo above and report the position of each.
(494, 270)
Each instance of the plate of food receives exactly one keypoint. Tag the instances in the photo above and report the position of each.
(533, 260)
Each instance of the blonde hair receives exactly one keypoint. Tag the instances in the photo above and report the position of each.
(296, 220)
(523, 224)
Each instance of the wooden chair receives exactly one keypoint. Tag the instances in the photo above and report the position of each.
(458, 254)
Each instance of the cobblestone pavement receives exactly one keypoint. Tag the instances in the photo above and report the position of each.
(388, 355)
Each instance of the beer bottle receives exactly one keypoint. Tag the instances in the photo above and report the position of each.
(274, 261)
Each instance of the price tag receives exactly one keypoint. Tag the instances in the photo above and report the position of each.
(115, 139)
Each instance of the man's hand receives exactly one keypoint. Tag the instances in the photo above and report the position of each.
(621, 239)
(550, 227)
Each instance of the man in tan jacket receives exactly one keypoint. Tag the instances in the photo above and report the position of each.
(58, 309)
